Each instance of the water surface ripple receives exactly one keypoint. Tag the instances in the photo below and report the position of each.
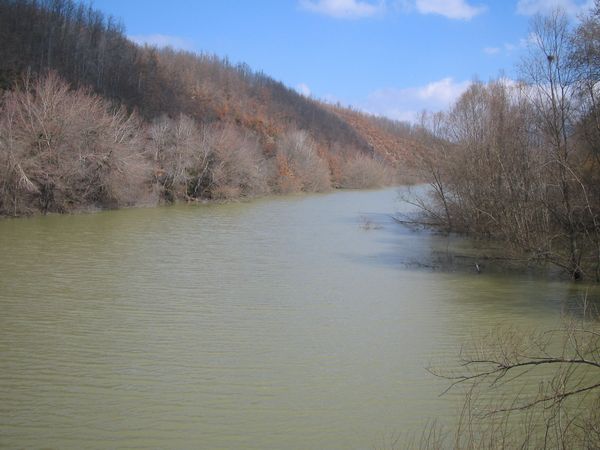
(281, 323)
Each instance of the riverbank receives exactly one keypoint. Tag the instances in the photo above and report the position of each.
(156, 203)
(65, 149)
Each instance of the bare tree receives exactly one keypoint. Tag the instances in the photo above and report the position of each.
(364, 172)
(517, 161)
(64, 149)
(172, 147)
(531, 390)
(237, 166)
(552, 82)
(300, 165)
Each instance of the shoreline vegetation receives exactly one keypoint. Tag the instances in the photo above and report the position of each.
(527, 389)
(67, 150)
(519, 161)
(88, 119)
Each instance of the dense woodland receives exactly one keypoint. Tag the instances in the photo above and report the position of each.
(519, 161)
(90, 119)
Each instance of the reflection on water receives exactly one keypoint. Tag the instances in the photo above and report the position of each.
(282, 323)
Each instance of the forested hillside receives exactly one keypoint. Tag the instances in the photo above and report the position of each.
(178, 124)
(398, 143)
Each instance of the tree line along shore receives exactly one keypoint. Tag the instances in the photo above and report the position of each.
(89, 119)
(519, 160)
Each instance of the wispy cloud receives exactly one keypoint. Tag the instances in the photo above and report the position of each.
(571, 7)
(407, 103)
(163, 40)
(491, 50)
(303, 89)
(344, 9)
(509, 48)
(357, 9)
(505, 49)
(452, 9)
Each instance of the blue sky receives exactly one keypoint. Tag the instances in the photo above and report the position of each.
(387, 57)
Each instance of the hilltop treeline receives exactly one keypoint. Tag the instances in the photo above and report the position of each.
(89, 118)
(520, 161)
(90, 49)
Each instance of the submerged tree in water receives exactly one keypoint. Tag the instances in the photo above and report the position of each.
(518, 161)
(529, 390)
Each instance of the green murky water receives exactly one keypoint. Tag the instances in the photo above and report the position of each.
(281, 323)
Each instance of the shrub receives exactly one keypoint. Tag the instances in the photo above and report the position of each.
(172, 148)
(300, 168)
(230, 165)
(61, 149)
(364, 172)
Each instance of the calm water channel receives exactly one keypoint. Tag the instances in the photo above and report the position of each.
(280, 323)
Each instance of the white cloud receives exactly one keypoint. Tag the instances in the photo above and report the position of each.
(491, 50)
(452, 9)
(407, 103)
(509, 48)
(303, 89)
(344, 9)
(404, 6)
(355, 9)
(571, 7)
(530, 39)
(163, 40)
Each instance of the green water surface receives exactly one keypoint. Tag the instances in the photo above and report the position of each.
(284, 323)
